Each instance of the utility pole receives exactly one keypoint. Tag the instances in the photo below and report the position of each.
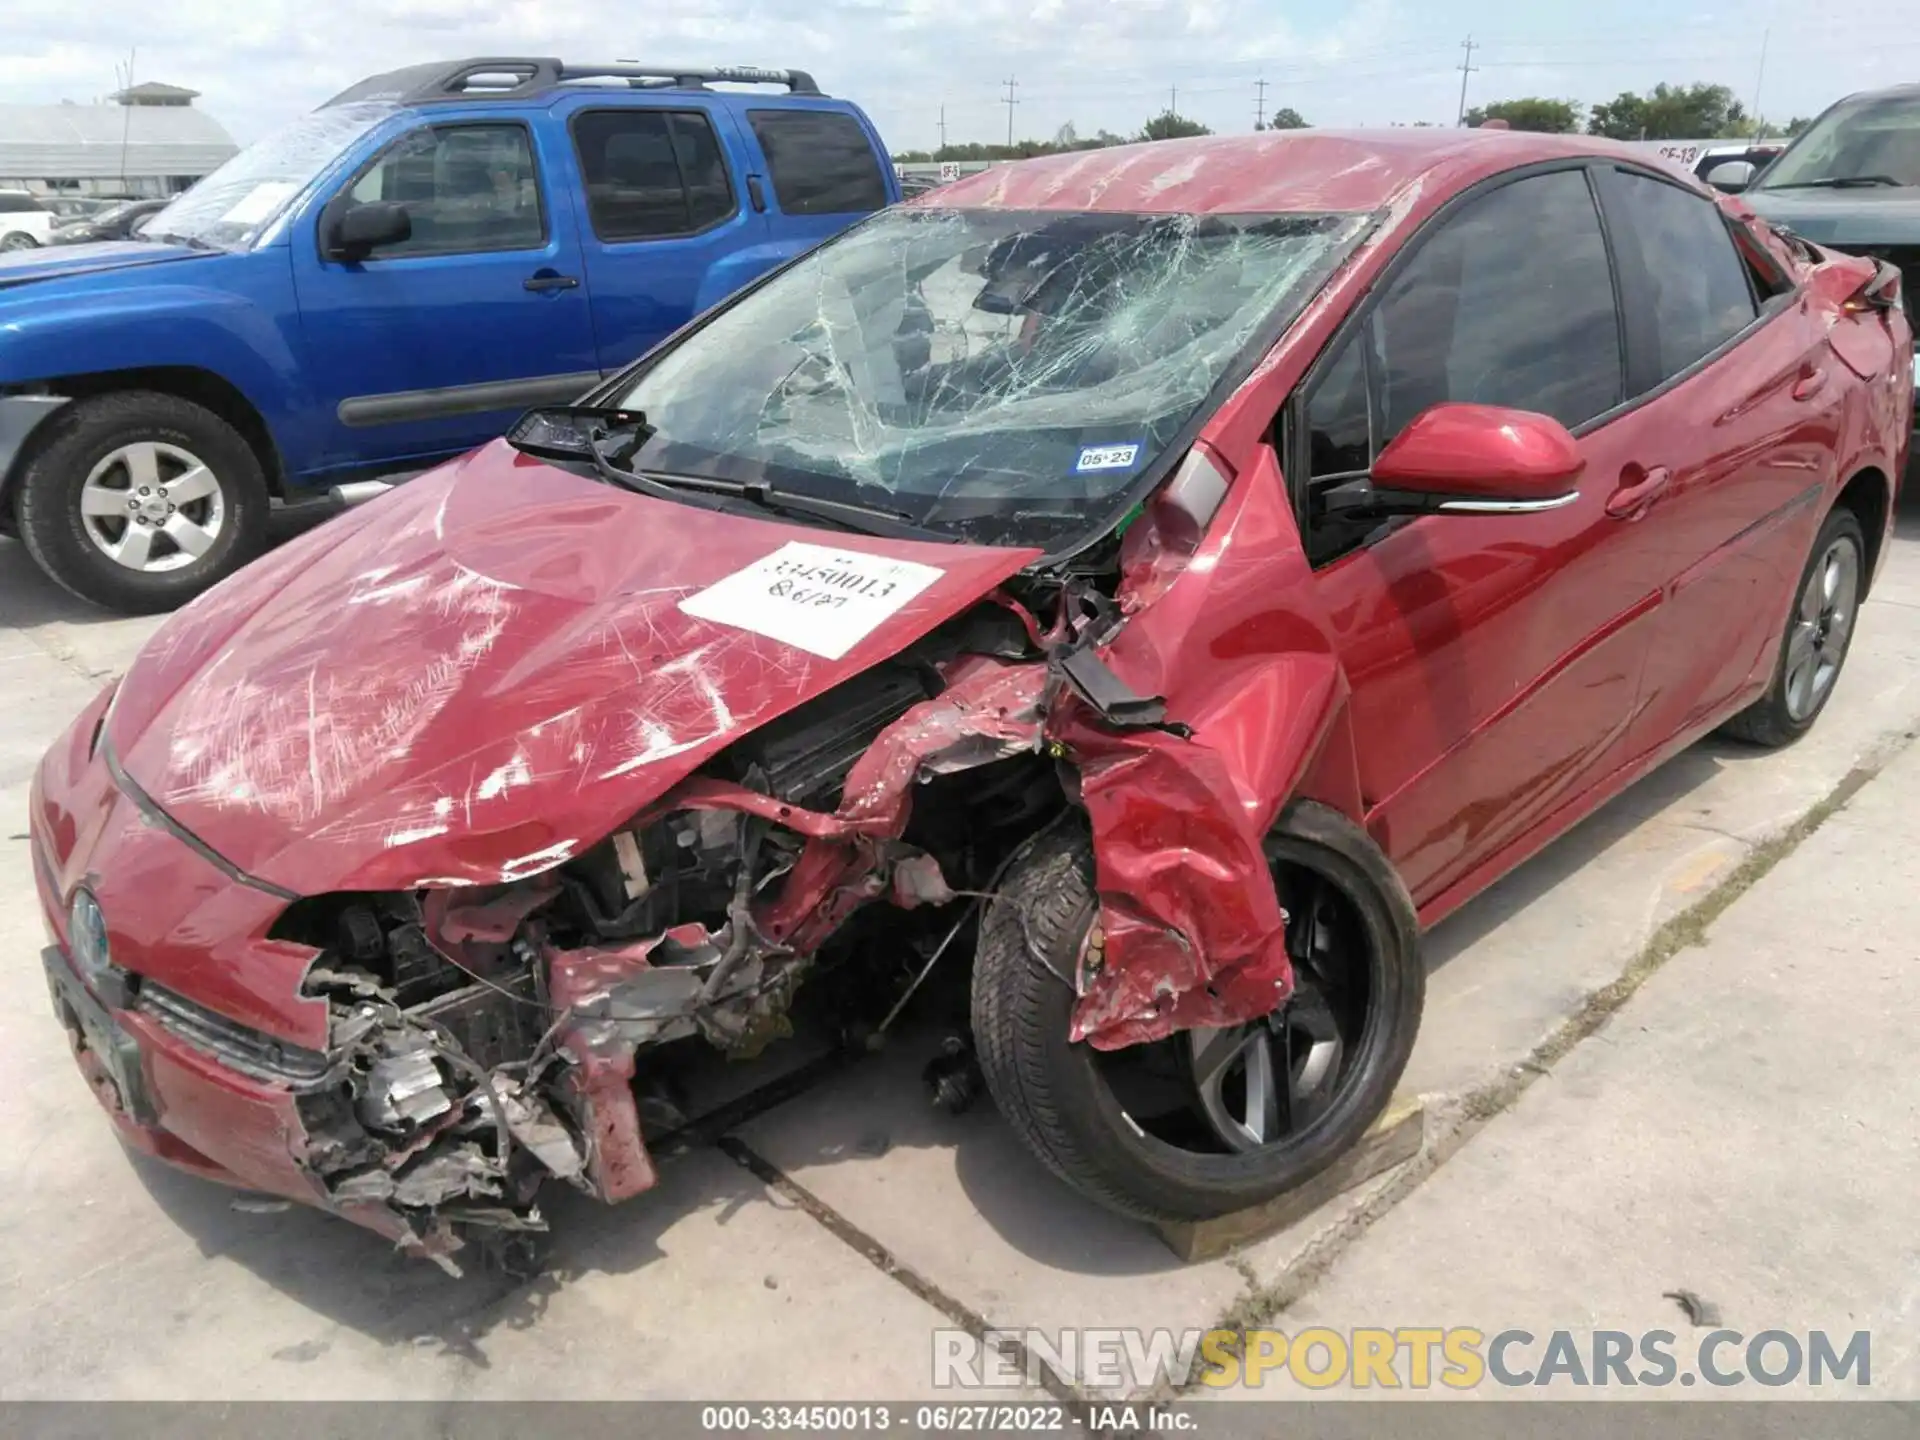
(1760, 131)
(1467, 67)
(943, 127)
(1173, 99)
(1010, 102)
(1259, 104)
(126, 121)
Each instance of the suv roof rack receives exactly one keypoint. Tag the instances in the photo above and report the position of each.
(518, 77)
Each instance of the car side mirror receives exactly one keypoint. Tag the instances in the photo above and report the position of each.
(1459, 459)
(1730, 177)
(356, 231)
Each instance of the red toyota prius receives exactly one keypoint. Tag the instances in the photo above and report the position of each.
(1143, 588)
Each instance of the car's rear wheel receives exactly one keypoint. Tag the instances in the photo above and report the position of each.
(1826, 606)
(18, 240)
(1204, 1122)
(139, 501)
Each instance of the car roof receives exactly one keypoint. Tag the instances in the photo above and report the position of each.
(1273, 171)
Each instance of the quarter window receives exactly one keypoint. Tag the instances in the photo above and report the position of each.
(651, 173)
(1697, 288)
(821, 161)
(466, 188)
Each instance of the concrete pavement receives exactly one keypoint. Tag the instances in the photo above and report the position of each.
(122, 1280)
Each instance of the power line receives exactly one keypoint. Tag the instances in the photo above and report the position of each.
(1260, 104)
(1010, 102)
(1467, 67)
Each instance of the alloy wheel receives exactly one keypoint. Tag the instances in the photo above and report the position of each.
(1822, 623)
(1265, 1083)
(152, 507)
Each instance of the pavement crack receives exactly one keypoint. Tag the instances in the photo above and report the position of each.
(896, 1269)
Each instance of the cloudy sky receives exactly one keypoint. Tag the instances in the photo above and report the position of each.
(1094, 63)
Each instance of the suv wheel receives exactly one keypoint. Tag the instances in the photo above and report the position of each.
(139, 501)
(18, 240)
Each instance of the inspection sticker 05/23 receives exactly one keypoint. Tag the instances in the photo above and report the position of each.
(1106, 457)
(814, 597)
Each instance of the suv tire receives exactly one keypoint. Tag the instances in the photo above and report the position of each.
(199, 468)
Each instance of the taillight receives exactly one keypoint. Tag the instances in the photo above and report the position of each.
(1882, 292)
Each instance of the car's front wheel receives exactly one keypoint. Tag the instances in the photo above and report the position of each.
(1819, 631)
(1205, 1122)
(139, 501)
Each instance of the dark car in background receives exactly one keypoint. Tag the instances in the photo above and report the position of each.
(116, 222)
(1852, 181)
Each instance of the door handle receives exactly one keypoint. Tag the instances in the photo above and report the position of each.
(1810, 384)
(550, 281)
(1631, 500)
(757, 193)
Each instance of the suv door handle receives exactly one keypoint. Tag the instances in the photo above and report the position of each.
(1810, 383)
(1631, 500)
(550, 280)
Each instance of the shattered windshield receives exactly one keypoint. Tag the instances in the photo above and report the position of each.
(991, 372)
(233, 206)
(1869, 141)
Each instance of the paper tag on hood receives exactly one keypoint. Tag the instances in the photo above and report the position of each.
(813, 597)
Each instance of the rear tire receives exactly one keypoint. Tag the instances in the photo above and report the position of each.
(68, 508)
(1055, 1093)
(18, 240)
(1784, 714)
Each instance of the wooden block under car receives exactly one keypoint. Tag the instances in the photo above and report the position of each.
(1394, 1137)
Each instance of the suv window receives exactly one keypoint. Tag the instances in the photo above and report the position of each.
(651, 173)
(821, 161)
(467, 188)
(18, 202)
(1697, 283)
(1510, 302)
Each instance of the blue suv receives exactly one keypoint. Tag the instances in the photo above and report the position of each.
(386, 283)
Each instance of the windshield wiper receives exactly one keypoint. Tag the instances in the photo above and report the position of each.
(609, 438)
(847, 514)
(1836, 182)
(192, 242)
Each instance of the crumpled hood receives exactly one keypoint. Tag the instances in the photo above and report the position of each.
(1845, 219)
(484, 673)
(53, 262)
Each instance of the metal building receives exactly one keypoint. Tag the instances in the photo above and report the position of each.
(148, 141)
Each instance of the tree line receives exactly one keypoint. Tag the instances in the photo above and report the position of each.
(1667, 112)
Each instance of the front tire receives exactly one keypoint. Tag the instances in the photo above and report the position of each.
(1819, 632)
(139, 501)
(1174, 1130)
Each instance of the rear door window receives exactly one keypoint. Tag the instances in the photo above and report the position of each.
(651, 174)
(821, 161)
(1698, 292)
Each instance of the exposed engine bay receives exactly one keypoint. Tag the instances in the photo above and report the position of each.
(484, 1040)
